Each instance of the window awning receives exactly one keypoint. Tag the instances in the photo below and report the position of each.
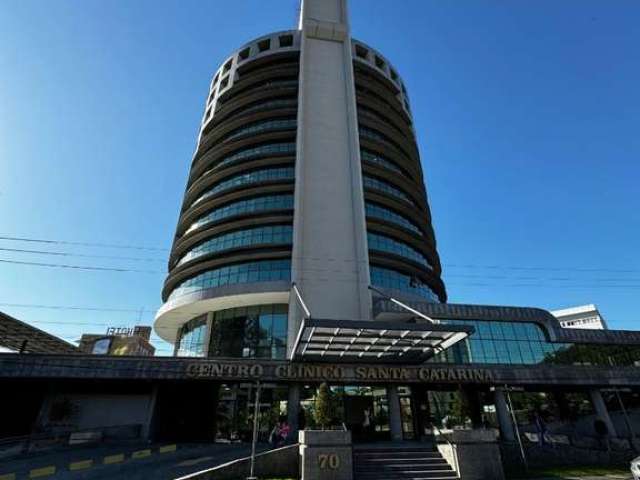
(374, 341)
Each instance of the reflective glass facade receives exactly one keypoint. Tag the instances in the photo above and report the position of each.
(522, 343)
(376, 211)
(268, 105)
(387, 244)
(376, 184)
(379, 160)
(262, 271)
(252, 205)
(192, 338)
(369, 133)
(272, 234)
(257, 176)
(501, 342)
(264, 126)
(387, 278)
(249, 332)
(255, 152)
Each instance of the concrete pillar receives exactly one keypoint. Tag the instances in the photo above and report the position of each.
(471, 399)
(329, 216)
(601, 411)
(504, 416)
(147, 429)
(42, 419)
(293, 409)
(421, 411)
(564, 409)
(395, 417)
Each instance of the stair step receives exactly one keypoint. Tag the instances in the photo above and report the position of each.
(395, 449)
(406, 466)
(397, 454)
(385, 476)
(376, 463)
(400, 463)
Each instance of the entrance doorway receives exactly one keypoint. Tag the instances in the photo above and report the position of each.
(365, 412)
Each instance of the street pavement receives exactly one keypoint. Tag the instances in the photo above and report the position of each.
(164, 466)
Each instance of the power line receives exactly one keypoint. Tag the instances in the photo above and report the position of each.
(333, 270)
(537, 268)
(69, 254)
(81, 267)
(447, 265)
(93, 324)
(74, 307)
(83, 244)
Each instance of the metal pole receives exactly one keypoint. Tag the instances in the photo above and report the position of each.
(300, 300)
(256, 409)
(399, 303)
(517, 429)
(632, 434)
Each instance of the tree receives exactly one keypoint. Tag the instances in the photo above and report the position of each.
(323, 406)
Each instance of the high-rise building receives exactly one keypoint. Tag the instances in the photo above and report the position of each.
(304, 254)
(306, 172)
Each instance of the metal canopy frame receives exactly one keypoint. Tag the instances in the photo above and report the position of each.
(373, 341)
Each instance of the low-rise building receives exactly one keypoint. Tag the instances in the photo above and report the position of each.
(583, 316)
(119, 341)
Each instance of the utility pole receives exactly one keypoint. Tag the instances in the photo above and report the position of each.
(256, 410)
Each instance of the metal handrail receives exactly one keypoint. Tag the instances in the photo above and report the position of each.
(454, 450)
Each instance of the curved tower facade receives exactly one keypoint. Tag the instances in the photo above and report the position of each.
(306, 172)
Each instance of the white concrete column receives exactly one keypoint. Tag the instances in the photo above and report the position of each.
(504, 417)
(601, 411)
(329, 258)
(395, 416)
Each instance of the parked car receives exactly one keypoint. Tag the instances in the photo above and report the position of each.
(635, 468)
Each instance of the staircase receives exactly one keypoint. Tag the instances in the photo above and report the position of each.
(400, 462)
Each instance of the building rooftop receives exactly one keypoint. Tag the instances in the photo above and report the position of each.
(16, 335)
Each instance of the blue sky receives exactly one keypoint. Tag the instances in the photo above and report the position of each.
(527, 114)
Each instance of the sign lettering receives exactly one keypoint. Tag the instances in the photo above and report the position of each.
(337, 373)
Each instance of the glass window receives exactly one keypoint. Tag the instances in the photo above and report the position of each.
(192, 337)
(257, 176)
(271, 149)
(387, 244)
(266, 270)
(268, 105)
(519, 343)
(264, 126)
(254, 332)
(379, 160)
(376, 184)
(387, 278)
(377, 211)
(272, 234)
(255, 152)
(251, 205)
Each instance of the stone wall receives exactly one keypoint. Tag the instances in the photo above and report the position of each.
(474, 454)
(326, 455)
